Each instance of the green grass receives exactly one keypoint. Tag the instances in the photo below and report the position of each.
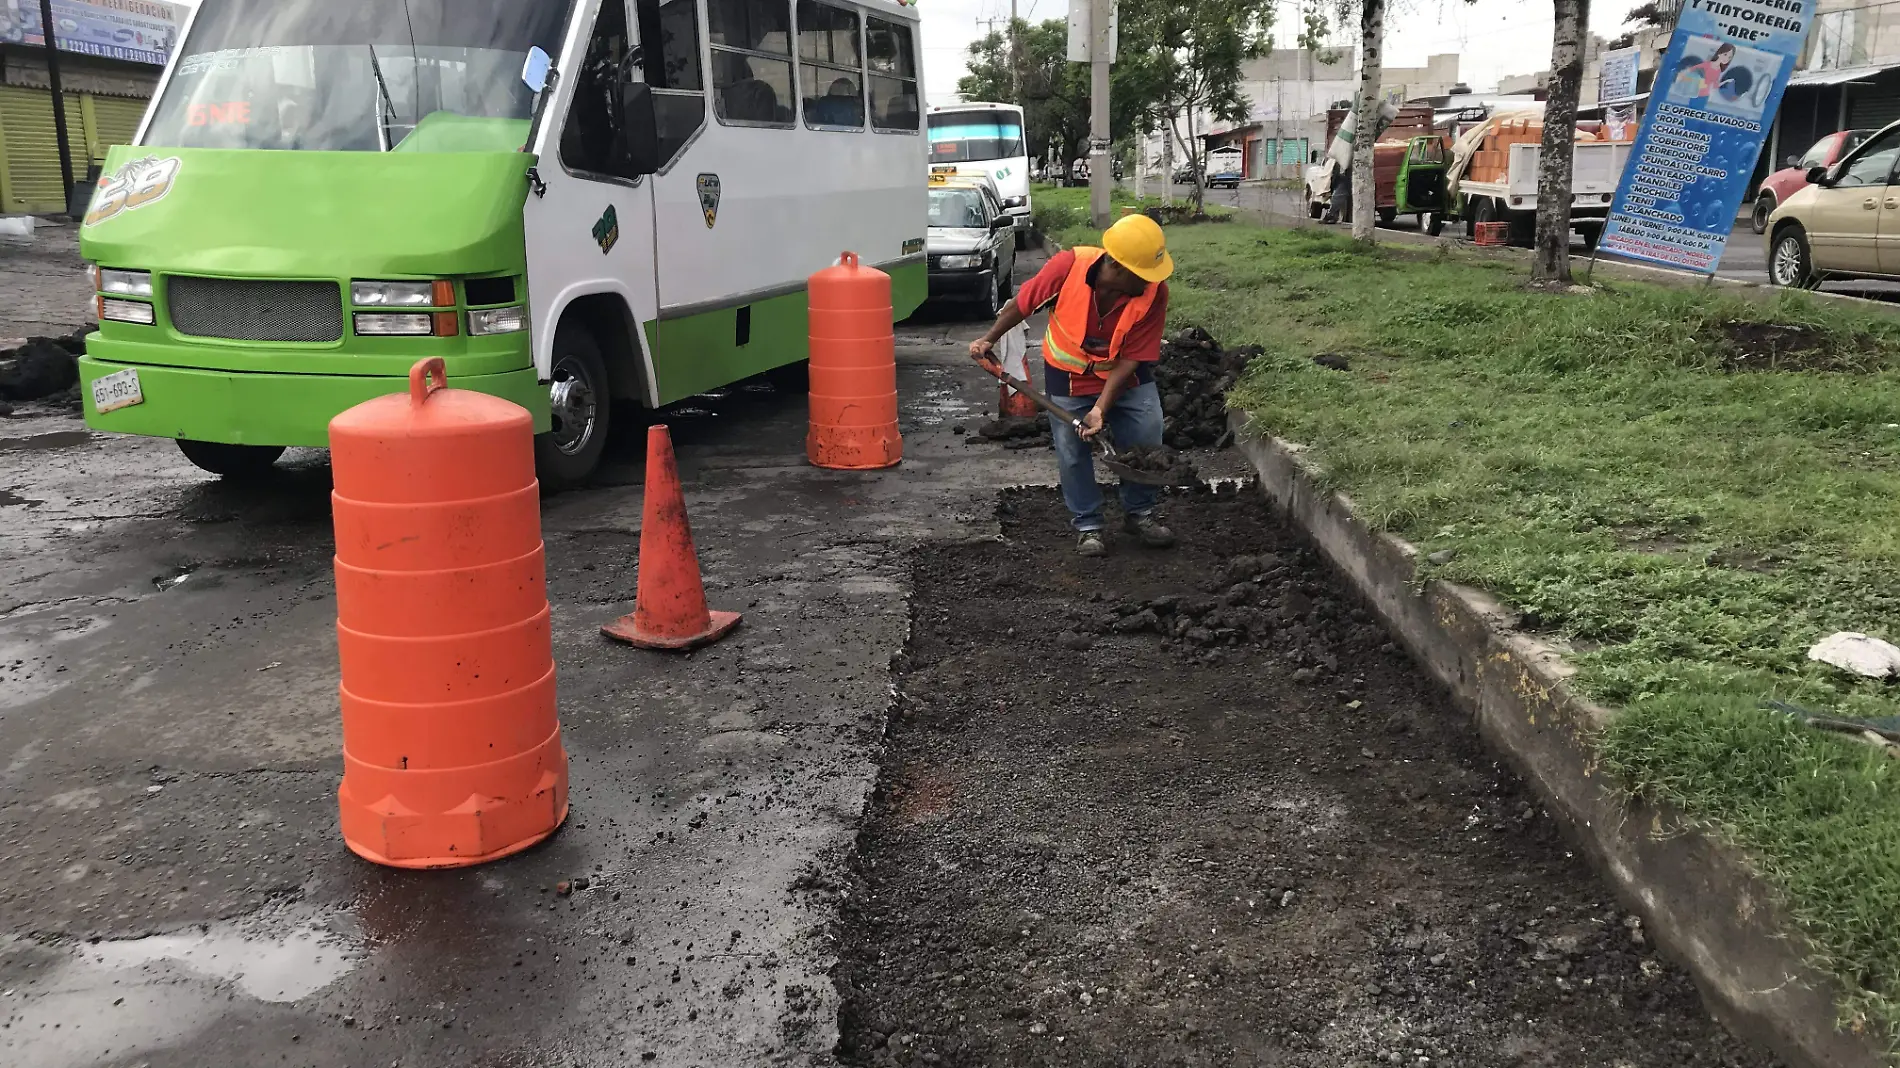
(1067, 209)
(1690, 530)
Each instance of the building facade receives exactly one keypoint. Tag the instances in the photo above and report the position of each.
(109, 68)
(1289, 92)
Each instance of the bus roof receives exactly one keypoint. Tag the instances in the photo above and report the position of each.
(906, 9)
(975, 105)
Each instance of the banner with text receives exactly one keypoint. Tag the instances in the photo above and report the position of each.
(1714, 99)
(139, 31)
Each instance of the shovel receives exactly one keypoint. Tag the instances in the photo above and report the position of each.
(1104, 446)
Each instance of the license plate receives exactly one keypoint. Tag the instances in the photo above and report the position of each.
(120, 389)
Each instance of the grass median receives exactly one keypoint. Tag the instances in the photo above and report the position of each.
(1685, 487)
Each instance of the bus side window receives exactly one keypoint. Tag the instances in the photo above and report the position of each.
(893, 81)
(752, 61)
(830, 71)
(669, 35)
(592, 141)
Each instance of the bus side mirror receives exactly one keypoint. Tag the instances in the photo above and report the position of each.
(642, 128)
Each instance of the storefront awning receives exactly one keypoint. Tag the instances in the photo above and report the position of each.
(1839, 75)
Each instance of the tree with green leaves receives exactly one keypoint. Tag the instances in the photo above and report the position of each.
(1053, 93)
(1178, 60)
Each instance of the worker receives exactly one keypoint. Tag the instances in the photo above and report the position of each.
(1099, 356)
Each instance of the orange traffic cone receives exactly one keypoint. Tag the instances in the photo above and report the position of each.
(669, 610)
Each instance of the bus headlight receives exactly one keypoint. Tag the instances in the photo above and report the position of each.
(496, 321)
(410, 325)
(959, 263)
(401, 294)
(126, 311)
(125, 283)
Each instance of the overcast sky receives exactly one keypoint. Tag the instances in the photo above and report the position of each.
(1495, 37)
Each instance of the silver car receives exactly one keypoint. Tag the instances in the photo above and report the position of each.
(971, 245)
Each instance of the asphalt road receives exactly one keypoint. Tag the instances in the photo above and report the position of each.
(177, 892)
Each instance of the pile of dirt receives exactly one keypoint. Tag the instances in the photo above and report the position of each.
(1089, 852)
(1014, 431)
(45, 368)
(1193, 377)
(1176, 468)
(1789, 347)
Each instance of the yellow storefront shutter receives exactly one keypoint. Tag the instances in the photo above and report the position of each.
(115, 121)
(29, 150)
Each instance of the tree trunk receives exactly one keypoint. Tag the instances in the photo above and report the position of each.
(1551, 260)
(1365, 121)
(1200, 177)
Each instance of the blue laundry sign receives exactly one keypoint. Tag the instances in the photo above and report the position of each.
(1713, 101)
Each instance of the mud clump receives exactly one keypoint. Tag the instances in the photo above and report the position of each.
(1793, 347)
(1161, 461)
(44, 367)
(1013, 431)
(1193, 378)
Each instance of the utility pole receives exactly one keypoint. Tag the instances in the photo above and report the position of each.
(1015, 58)
(1101, 175)
(59, 106)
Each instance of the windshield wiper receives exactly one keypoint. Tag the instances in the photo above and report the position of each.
(384, 105)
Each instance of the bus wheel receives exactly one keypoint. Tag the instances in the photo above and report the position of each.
(231, 461)
(580, 406)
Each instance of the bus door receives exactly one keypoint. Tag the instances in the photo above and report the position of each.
(588, 221)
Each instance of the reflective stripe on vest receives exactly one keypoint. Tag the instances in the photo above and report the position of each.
(1069, 322)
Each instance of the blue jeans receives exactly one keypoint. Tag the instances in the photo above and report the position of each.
(1134, 419)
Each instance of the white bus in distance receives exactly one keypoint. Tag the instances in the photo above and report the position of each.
(985, 139)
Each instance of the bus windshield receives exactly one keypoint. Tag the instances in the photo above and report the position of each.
(355, 75)
(974, 136)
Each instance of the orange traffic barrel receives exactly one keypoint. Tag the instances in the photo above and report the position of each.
(853, 369)
(451, 748)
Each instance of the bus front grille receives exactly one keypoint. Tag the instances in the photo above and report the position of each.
(249, 310)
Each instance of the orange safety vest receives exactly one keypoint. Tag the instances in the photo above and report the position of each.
(1069, 322)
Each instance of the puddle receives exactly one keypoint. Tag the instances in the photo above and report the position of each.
(63, 439)
(688, 411)
(172, 582)
(114, 999)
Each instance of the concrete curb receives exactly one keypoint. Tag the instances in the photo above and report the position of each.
(1700, 900)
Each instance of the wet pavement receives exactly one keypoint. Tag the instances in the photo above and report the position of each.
(177, 892)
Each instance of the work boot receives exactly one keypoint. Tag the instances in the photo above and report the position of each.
(1149, 530)
(1090, 543)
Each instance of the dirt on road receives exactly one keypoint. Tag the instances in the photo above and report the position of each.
(1194, 808)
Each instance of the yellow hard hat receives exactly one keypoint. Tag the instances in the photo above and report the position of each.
(1137, 243)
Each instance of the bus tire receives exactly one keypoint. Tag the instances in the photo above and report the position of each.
(1022, 239)
(231, 461)
(580, 403)
(1388, 216)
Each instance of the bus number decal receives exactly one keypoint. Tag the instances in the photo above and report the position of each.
(709, 198)
(133, 186)
(607, 230)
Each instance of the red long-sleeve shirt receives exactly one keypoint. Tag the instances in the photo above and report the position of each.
(1143, 344)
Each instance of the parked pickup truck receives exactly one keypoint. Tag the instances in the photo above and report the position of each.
(1493, 177)
(1224, 168)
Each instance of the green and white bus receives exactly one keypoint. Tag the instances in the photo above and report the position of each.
(567, 200)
